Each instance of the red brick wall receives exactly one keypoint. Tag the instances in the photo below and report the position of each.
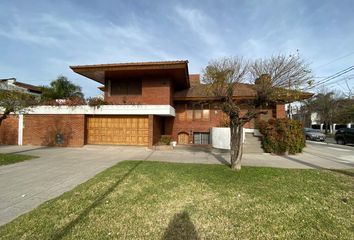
(154, 92)
(157, 129)
(9, 131)
(173, 126)
(42, 129)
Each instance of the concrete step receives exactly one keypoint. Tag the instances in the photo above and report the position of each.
(252, 144)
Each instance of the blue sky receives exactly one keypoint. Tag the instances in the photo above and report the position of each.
(40, 39)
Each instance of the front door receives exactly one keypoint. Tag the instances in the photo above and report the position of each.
(183, 138)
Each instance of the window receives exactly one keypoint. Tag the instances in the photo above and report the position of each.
(206, 112)
(126, 87)
(201, 138)
(189, 112)
(197, 112)
(181, 112)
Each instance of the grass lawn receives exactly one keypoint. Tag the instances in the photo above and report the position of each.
(154, 200)
(8, 158)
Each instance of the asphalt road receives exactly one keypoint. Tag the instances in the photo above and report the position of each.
(331, 152)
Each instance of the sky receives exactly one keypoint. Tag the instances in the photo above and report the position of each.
(40, 39)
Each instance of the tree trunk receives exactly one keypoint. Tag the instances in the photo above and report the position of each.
(326, 127)
(236, 144)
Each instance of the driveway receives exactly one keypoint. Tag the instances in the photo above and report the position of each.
(25, 185)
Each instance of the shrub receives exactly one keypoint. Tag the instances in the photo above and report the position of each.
(164, 140)
(96, 102)
(281, 136)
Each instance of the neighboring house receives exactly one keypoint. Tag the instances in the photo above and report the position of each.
(148, 100)
(316, 123)
(312, 120)
(12, 84)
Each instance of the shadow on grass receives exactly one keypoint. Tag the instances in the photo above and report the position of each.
(28, 150)
(180, 227)
(66, 229)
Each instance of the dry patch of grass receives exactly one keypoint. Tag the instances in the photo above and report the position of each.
(9, 158)
(153, 200)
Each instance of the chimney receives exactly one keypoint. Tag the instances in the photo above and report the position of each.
(194, 79)
(264, 79)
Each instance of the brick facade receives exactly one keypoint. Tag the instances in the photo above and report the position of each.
(155, 91)
(153, 83)
(42, 130)
(174, 125)
(9, 131)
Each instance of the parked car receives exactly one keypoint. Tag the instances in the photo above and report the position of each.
(344, 136)
(314, 134)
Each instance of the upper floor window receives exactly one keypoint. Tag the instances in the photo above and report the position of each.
(190, 112)
(126, 87)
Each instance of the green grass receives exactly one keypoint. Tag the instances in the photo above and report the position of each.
(154, 200)
(9, 158)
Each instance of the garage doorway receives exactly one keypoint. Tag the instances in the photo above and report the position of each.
(119, 130)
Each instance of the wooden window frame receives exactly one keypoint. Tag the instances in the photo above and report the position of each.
(129, 83)
(184, 115)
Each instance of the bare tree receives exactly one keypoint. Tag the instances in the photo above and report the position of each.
(270, 75)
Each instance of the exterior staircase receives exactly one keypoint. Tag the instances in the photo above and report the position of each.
(252, 144)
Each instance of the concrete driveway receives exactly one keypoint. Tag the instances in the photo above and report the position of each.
(25, 185)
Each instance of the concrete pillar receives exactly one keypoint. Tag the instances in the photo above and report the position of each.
(243, 135)
(20, 129)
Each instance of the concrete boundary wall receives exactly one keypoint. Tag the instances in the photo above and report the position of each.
(220, 137)
(161, 110)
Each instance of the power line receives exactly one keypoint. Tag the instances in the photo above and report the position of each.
(350, 77)
(336, 59)
(331, 77)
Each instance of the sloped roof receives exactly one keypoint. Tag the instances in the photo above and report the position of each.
(201, 91)
(241, 91)
(29, 87)
(130, 64)
(176, 70)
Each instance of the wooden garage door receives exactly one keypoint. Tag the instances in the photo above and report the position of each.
(122, 130)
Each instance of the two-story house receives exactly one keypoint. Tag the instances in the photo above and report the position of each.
(146, 100)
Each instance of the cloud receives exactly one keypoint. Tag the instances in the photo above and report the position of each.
(39, 41)
(20, 33)
(202, 26)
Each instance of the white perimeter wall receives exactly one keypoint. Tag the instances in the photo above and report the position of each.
(220, 138)
(162, 110)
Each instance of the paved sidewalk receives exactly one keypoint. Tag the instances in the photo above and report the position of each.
(25, 185)
(314, 156)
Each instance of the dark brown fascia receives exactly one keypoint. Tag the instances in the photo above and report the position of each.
(87, 70)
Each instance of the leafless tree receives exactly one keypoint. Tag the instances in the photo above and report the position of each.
(271, 76)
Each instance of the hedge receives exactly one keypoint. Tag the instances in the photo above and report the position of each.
(282, 136)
